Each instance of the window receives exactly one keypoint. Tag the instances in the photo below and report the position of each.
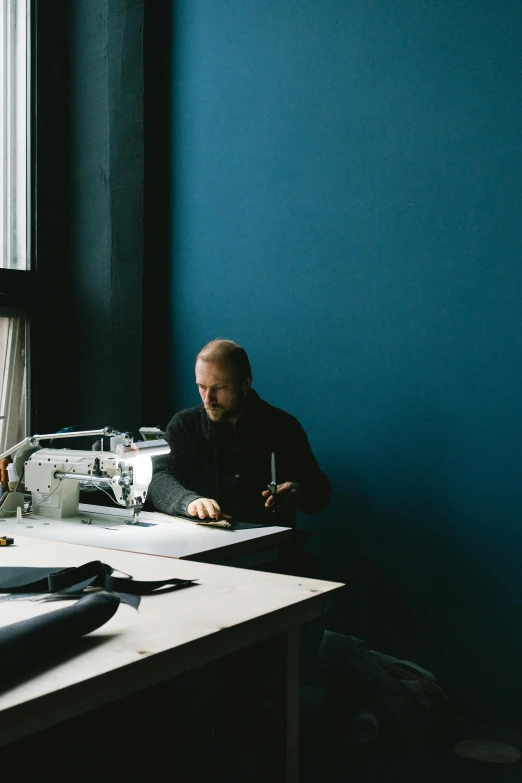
(14, 136)
(15, 212)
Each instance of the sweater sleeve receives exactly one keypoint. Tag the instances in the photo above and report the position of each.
(166, 491)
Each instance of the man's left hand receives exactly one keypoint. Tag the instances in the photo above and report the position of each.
(285, 496)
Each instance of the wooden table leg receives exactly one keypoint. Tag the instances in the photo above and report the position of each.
(292, 705)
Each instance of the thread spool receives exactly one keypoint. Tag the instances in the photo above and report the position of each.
(4, 478)
(12, 478)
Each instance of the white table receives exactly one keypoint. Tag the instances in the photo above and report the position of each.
(228, 610)
(244, 544)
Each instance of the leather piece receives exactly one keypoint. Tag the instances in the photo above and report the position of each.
(29, 643)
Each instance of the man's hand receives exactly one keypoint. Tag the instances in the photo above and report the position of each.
(206, 508)
(285, 496)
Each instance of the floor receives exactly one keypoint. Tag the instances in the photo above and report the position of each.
(408, 763)
(136, 740)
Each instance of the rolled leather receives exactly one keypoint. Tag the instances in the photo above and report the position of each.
(30, 643)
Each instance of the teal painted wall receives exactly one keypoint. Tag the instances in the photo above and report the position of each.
(347, 205)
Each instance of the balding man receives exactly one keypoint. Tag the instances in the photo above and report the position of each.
(220, 461)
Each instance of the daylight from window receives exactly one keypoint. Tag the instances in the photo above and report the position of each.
(14, 136)
(14, 217)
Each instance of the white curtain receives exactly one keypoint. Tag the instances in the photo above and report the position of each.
(13, 381)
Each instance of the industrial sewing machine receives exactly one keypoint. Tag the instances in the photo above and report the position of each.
(54, 476)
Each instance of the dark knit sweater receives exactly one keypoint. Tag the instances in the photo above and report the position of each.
(231, 464)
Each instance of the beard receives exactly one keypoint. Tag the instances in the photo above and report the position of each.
(215, 414)
(220, 414)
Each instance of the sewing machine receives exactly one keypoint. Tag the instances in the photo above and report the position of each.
(53, 476)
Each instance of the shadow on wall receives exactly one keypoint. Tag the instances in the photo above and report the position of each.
(373, 605)
(386, 533)
(423, 529)
(418, 586)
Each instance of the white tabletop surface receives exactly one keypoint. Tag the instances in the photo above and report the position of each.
(156, 534)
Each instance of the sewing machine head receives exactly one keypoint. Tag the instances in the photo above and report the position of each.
(53, 476)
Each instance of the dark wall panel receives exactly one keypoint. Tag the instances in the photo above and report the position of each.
(89, 202)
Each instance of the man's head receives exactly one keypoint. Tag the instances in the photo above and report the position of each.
(223, 376)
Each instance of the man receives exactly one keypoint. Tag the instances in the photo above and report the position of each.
(220, 461)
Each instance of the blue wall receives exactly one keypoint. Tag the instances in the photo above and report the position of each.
(347, 205)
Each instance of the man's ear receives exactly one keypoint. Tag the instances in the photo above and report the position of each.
(246, 384)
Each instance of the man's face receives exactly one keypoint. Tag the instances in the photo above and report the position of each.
(220, 390)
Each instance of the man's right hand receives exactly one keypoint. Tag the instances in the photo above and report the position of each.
(206, 508)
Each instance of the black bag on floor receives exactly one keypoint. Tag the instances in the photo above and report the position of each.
(371, 696)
